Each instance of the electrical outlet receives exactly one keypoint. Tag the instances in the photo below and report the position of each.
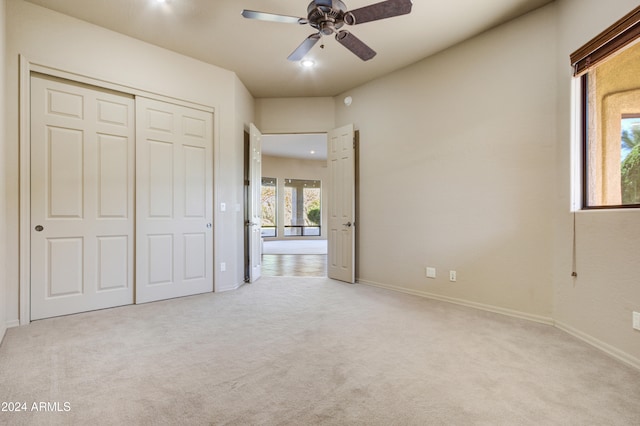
(223, 267)
(431, 272)
(452, 276)
(636, 320)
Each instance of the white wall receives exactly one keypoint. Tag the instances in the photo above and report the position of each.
(56, 40)
(465, 163)
(3, 297)
(295, 115)
(597, 305)
(290, 168)
(456, 170)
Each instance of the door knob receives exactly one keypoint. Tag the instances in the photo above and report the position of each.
(209, 225)
(39, 228)
(348, 224)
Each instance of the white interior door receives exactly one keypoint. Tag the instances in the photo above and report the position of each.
(254, 222)
(174, 200)
(341, 236)
(82, 196)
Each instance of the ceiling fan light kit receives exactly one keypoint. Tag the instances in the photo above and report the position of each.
(329, 16)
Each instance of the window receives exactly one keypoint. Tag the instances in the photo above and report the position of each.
(302, 209)
(609, 66)
(630, 161)
(269, 200)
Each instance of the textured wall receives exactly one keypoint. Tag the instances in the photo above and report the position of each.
(295, 115)
(3, 239)
(456, 170)
(598, 305)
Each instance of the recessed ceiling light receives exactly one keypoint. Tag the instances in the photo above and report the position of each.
(307, 63)
(312, 152)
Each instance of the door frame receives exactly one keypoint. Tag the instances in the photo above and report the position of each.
(356, 191)
(26, 67)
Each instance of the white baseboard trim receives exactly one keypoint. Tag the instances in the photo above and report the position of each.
(235, 287)
(599, 344)
(468, 303)
(4, 327)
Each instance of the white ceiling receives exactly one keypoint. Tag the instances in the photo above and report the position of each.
(213, 31)
(296, 146)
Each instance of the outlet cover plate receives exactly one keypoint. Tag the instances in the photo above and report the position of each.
(431, 272)
(636, 320)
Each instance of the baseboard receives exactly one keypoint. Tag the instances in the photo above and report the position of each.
(4, 327)
(468, 303)
(224, 289)
(599, 344)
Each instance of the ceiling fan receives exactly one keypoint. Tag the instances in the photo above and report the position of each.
(328, 16)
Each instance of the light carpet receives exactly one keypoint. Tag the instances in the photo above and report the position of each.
(308, 351)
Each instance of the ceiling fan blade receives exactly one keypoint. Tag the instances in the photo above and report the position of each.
(272, 17)
(374, 12)
(304, 47)
(355, 45)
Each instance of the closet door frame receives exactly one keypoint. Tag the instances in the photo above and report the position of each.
(27, 67)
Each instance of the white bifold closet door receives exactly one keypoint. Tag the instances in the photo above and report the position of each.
(174, 206)
(82, 197)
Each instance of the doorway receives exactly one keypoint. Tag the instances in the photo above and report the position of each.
(340, 168)
(294, 194)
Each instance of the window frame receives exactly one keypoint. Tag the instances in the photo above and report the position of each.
(584, 143)
(623, 33)
(289, 227)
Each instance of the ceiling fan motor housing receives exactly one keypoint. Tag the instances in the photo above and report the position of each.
(326, 19)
